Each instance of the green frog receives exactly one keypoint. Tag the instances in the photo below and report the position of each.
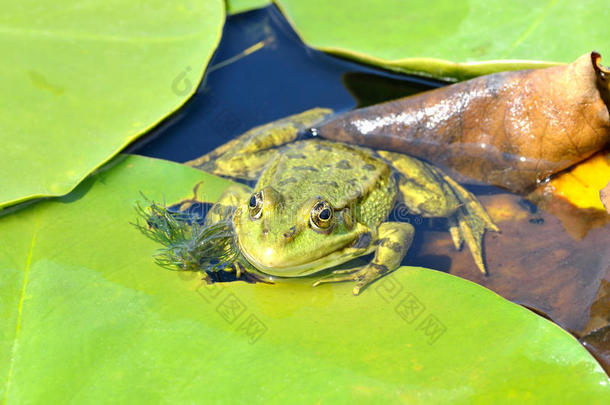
(318, 204)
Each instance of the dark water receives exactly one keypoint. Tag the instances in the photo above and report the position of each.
(282, 78)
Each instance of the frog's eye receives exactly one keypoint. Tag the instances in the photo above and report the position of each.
(321, 216)
(256, 205)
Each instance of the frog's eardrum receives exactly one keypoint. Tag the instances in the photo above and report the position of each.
(511, 129)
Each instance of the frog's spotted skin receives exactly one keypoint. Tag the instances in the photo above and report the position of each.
(317, 204)
(338, 181)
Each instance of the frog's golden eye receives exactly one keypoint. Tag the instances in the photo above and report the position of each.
(322, 215)
(256, 205)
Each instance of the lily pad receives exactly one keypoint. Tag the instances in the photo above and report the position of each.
(83, 79)
(452, 40)
(86, 315)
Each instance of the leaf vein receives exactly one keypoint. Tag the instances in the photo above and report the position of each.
(26, 273)
(528, 31)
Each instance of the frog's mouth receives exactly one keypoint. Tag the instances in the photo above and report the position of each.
(303, 269)
(344, 252)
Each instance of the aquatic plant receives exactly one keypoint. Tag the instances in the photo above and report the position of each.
(189, 244)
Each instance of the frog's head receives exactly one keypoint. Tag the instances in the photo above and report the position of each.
(296, 239)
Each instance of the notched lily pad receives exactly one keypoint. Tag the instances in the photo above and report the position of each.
(90, 302)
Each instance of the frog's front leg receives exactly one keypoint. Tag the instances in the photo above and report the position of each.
(394, 241)
(429, 192)
(246, 156)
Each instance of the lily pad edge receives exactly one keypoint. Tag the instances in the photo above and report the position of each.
(435, 68)
(68, 188)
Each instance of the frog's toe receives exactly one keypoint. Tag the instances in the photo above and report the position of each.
(340, 275)
(205, 277)
(253, 278)
(368, 276)
(346, 271)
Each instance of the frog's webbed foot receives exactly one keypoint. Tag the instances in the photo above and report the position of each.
(339, 275)
(469, 223)
(242, 273)
(186, 204)
(363, 275)
(253, 278)
(394, 241)
(427, 191)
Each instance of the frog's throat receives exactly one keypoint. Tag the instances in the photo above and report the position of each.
(314, 266)
(339, 256)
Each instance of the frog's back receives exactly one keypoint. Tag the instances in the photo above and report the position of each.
(343, 174)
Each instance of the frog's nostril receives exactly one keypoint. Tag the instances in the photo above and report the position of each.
(290, 233)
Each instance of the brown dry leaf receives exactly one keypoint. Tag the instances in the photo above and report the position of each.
(511, 129)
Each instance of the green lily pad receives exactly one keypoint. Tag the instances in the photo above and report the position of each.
(85, 315)
(240, 6)
(452, 39)
(80, 80)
